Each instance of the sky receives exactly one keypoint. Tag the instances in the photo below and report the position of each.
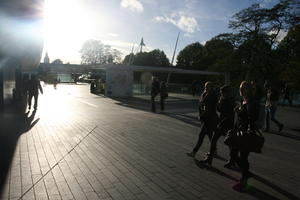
(122, 23)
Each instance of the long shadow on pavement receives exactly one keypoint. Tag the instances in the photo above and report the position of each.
(284, 134)
(275, 187)
(253, 191)
(12, 125)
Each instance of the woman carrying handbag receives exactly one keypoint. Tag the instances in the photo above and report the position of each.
(248, 115)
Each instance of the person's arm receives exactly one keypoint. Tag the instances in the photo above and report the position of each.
(40, 87)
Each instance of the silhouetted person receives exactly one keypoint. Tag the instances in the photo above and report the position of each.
(154, 92)
(271, 107)
(258, 95)
(194, 87)
(55, 83)
(92, 87)
(248, 114)
(287, 95)
(258, 92)
(163, 95)
(209, 117)
(226, 107)
(34, 86)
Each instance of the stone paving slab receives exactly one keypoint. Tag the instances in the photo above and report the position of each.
(88, 147)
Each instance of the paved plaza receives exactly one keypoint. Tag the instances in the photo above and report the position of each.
(82, 146)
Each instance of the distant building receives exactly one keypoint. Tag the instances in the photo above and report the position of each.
(46, 59)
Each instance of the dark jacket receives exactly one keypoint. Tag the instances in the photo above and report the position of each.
(34, 86)
(226, 109)
(155, 88)
(163, 90)
(209, 101)
(248, 116)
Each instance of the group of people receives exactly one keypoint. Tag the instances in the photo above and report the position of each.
(158, 87)
(215, 125)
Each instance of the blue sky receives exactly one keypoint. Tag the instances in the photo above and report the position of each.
(122, 23)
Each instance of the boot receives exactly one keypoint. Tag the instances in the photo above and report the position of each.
(230, 164)
(208, 159)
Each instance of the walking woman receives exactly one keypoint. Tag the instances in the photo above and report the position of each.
(208, 117)
(248, 114)
(226, 107)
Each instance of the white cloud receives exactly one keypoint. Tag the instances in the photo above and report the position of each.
(113, 34)
(133, 5)
(187, 23)
(183, 22)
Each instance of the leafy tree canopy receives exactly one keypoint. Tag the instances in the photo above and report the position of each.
(192, 57)
(95, 52)
(152, 58)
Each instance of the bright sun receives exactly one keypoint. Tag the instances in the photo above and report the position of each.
(66, 26)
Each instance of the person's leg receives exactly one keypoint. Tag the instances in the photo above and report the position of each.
(244, 164)
(213, 147)
(36, 98)
(272, 113)
(290, 101)
(200, 138)
(202, 134)
(29, 100)
(267, 110)
(153, 103)
(162, 104)
(234, 157)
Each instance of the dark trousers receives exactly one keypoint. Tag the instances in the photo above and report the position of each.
(270, 114)
(289, 100)
(162, 104)
(153, 104)
(207, 129)
(213, 144)
(30, 96)
(241, 158)
(221, 130)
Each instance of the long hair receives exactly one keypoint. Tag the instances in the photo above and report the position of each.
(247, 91)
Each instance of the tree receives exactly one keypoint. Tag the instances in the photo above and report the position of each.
(155, 57)
(289, 51)
(258, 30)
(57, 61)
(192, 57)
(95, 52)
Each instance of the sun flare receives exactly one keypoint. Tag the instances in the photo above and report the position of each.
(66, 26)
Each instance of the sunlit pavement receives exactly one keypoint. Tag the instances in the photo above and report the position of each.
(84, 146)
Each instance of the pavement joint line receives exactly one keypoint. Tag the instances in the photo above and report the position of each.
(56, 164)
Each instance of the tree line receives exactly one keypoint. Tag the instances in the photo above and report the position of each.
(264, 45)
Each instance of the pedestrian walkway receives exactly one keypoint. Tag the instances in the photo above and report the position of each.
(82, 146)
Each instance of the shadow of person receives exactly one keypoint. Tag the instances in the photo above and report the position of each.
(259, 194)
(275, 187)
(12, 125)
(211, 168)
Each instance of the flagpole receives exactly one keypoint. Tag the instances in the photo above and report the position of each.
(175, 49)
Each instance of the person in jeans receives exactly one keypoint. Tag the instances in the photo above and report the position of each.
(208, 117)
(270, 109)
(248, 115)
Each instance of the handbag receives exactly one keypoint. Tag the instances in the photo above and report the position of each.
(245, 140)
